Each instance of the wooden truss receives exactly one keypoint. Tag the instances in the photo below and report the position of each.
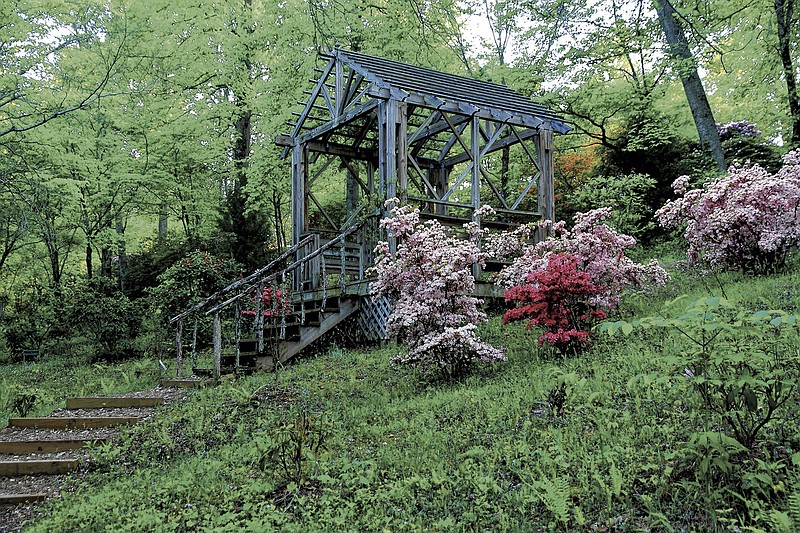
(426, 137)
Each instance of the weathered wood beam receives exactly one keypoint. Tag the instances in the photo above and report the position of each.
(497, 145)
(362, 154)
(299, 202)
(526, 190)
(424, 178)
(319, 172)
(322, 210)
(339, 121)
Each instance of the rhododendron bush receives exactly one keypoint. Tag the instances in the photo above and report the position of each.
(746, 220)
(430, 283)
(568, 281)
(560, 299)
(598, 250)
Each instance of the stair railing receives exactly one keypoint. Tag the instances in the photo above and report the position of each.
(307, 252)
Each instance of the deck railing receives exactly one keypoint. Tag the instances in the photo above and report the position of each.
(315, 262)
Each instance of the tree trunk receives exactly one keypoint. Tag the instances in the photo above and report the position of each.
(122, 255)
(89, 259)
(162, 225)
(784, 11)
(692, 85)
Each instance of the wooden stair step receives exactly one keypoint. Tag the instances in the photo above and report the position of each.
(43, 467)
(73, 422)
(95, 402)
(183, 383)
(46, 446)
(16, 499)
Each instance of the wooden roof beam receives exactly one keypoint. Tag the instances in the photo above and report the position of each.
(508, 140)
(350, 116)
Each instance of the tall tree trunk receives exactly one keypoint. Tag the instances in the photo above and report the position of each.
(784, 11)
(162, 225)
(692, 85)
(122, 255)
(89, 259)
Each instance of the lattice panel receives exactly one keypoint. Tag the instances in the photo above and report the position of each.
(373, 316)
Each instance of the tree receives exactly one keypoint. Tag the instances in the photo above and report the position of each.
(678, 47)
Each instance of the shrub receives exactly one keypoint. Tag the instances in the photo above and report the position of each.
(743, 143)
(195, 276)
(430, 283)
(28, 320)
(740, 366)
(557, 299)
(627, 195)
(105, 316)
(747, 220)
(270, 306)
(598, 250)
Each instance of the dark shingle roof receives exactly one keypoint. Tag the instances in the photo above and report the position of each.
(448, 87)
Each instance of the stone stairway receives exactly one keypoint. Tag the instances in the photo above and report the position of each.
(37, 455)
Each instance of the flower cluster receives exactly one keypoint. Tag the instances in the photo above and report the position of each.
(741, 128)
(429, 280)
(276, 306)
(746, 220)
(598, 250)
(561, 299)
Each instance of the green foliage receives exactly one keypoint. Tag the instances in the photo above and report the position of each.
(627, 195)
(741, 365)
(293, 445)
(105, 316)
(195, 276)
(27, 320)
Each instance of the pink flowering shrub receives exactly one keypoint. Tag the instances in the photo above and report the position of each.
(746, 220)
(598, 250)
(430, 284)
(559, 299)
(276, 306)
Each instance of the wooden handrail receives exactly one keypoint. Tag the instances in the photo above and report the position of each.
(238, 283)
(289, 268)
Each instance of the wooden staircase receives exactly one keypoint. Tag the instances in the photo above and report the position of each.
(52, 446)
(286, 337)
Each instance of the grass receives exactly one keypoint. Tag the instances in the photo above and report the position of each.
(40, 387)
(345, 442)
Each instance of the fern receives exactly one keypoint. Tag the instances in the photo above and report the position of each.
(786, 522)
(554, 493)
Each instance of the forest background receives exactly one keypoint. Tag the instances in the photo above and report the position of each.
(133, 133)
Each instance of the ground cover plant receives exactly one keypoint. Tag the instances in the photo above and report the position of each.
(611, 440)
(36, 388)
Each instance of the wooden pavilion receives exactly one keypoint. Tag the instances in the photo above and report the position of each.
(373, 129)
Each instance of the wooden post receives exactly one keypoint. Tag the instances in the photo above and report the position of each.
(475, 148)
(544, 154)
(217, 345)
(401, 157)
(179, 348)
(299, 198)
(238, 321)
(387, 155)
(194, 342)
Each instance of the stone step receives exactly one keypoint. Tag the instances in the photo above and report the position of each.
(46, 446)
(16, 499)
(183, 383)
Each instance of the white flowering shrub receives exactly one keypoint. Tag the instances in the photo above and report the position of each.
(746, 220)
(429, 281)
